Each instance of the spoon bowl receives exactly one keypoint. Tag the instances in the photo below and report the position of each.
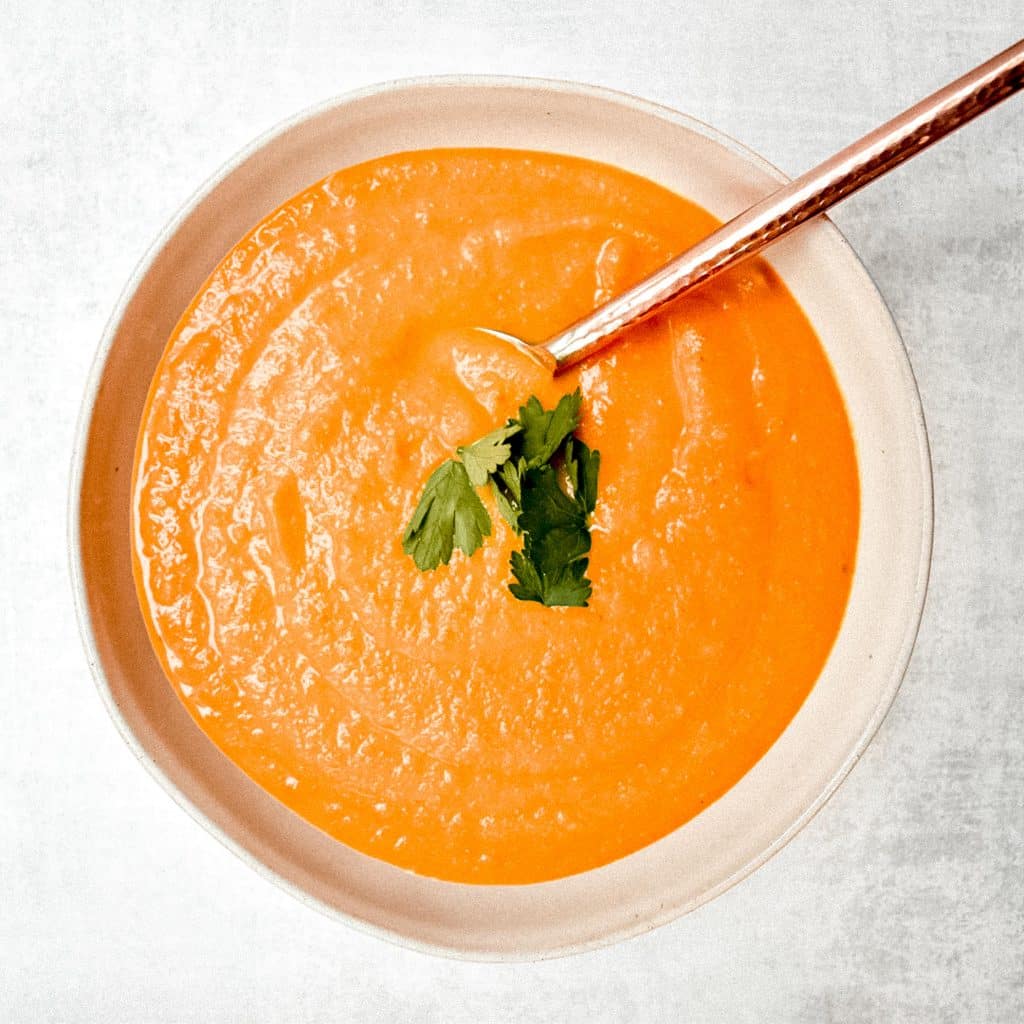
(539, 354)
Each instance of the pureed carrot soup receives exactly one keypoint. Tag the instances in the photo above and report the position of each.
(430, 718)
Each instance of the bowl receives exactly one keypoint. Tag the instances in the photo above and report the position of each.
(796, 776)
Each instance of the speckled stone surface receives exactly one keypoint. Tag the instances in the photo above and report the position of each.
(902, 901)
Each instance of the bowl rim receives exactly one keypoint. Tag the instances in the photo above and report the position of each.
(79, 449)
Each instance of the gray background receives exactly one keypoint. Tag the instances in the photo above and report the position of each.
(902, 901)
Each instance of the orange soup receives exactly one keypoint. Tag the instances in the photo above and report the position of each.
(430, 719)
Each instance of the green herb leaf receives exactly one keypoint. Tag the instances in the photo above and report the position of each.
(552, 564)
(581, 468)
(544, 482)
(509, 511)
(546, 506)
(507, 487)
(483, 457)
(544, 431)
(512, 474)
(449, 514)
(568, 588)
(553, 550)
(529, 586)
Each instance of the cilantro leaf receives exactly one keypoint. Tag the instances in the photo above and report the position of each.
(567, 588)
(546, 506)
(581, 467)
(512, 474)
(529, 586)
(551, 551)
(544, 431)
(449, 514)
(507, 487)
(483, 457)
(544, 482)
(507, 508)
(551, 567)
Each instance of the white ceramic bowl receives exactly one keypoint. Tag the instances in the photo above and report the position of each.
(790, 783)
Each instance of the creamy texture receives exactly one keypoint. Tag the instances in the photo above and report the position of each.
(430, 719)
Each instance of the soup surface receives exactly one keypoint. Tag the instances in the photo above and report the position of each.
(429, 718)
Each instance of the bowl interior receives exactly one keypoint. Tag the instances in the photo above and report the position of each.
(803, 767)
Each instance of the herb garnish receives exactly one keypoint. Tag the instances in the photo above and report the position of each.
(449, 513)
(544, 482)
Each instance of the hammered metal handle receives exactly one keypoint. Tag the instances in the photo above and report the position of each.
(812, 193)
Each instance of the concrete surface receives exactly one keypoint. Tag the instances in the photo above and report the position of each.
(902, 901)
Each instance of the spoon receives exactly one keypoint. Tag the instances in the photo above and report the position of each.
(789, 206)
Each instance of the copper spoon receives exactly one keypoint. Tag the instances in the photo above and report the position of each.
(789, 206)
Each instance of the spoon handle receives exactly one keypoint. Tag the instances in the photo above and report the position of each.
(852, 168)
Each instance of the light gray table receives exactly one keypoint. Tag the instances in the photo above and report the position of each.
(902, 901)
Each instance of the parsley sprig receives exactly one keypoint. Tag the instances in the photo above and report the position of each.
(544, 482)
